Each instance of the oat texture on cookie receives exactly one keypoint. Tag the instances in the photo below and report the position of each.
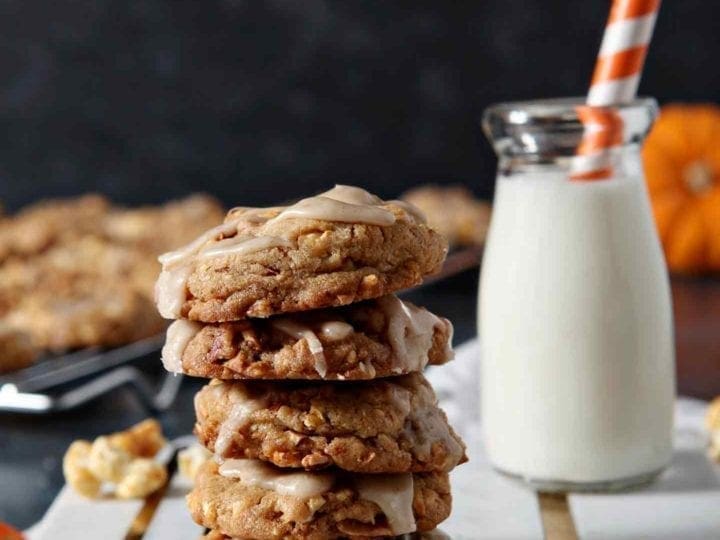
(317, 421)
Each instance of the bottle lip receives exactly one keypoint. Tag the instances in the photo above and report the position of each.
(562, 109)
(550, 129)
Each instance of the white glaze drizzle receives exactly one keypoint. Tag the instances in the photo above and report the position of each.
(448, 351)
(170, 291)
(253, 472)
(171, 286)
(238, 416)
(410, 332)
(410, 209)
(352, 195)
(368, 368)
(179, 334)
(400, 398)
(326, 209)
(242, 245)
(335, 330)
(300, 331)
(427, 426)
(342, 203)
(182, 255)
(254, 215)
(393, 493)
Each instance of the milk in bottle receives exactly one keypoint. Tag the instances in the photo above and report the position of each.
(574, 311)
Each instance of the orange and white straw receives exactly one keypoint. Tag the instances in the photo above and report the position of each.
(615, 81)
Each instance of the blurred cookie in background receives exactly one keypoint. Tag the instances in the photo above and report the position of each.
(43, 224)
(454, 212)
(158, 229)
(80, 272)
(95, 315)
(16, 349)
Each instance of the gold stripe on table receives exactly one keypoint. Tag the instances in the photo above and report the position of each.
(556, 517)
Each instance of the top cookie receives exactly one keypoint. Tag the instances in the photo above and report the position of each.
(340, 247)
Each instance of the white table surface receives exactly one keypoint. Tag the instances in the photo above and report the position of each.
(684, 504)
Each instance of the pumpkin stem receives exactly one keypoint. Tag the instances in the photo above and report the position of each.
(698, 177)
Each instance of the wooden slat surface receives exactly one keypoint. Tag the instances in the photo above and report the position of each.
(556, 517)
(683, 504)
(72, 517)
(487, 506)
(172, 519)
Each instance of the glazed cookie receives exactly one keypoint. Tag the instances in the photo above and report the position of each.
(435, 534)
(340, 247)
(385, 426)
(375, 338)
(250, 499)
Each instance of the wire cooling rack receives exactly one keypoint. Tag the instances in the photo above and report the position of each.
(43, 387)
(89, 373)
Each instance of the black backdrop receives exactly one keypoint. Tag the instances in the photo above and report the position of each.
(261, 100)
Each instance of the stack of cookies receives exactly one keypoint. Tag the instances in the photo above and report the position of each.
(318, 415)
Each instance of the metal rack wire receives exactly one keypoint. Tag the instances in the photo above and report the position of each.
(32, 390)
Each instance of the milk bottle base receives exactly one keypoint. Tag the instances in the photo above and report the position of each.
(562, 486)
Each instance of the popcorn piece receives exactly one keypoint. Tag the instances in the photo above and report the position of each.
(76, 471)
(122, 458)
(190, 460)
(712, 416)
(142, 440)
(108, 462)
(142, 477)
(712, 422)
(714, 449)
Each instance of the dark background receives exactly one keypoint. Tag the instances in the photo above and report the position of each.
(256, 101)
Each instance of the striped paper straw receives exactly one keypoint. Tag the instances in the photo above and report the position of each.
(614, 82)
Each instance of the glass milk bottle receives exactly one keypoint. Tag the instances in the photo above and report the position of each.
(575, 317)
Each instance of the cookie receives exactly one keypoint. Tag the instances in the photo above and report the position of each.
(388, 425)
(156, 229)
(37, 227)
(340, 247)
(16, 349)
(85, 317)
(454, 212)
(375, 338)
(97, 259)
(250, 499)
(80, 272)
(435, 534)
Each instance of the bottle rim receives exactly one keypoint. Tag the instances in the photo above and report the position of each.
(548, 130)
(561, 108)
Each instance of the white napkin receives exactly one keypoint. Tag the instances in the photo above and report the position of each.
(457, 385)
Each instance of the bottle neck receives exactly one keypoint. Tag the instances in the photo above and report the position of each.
(624, 160)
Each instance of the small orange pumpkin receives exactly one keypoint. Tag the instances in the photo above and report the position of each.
(682, 166)
(9, 533)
